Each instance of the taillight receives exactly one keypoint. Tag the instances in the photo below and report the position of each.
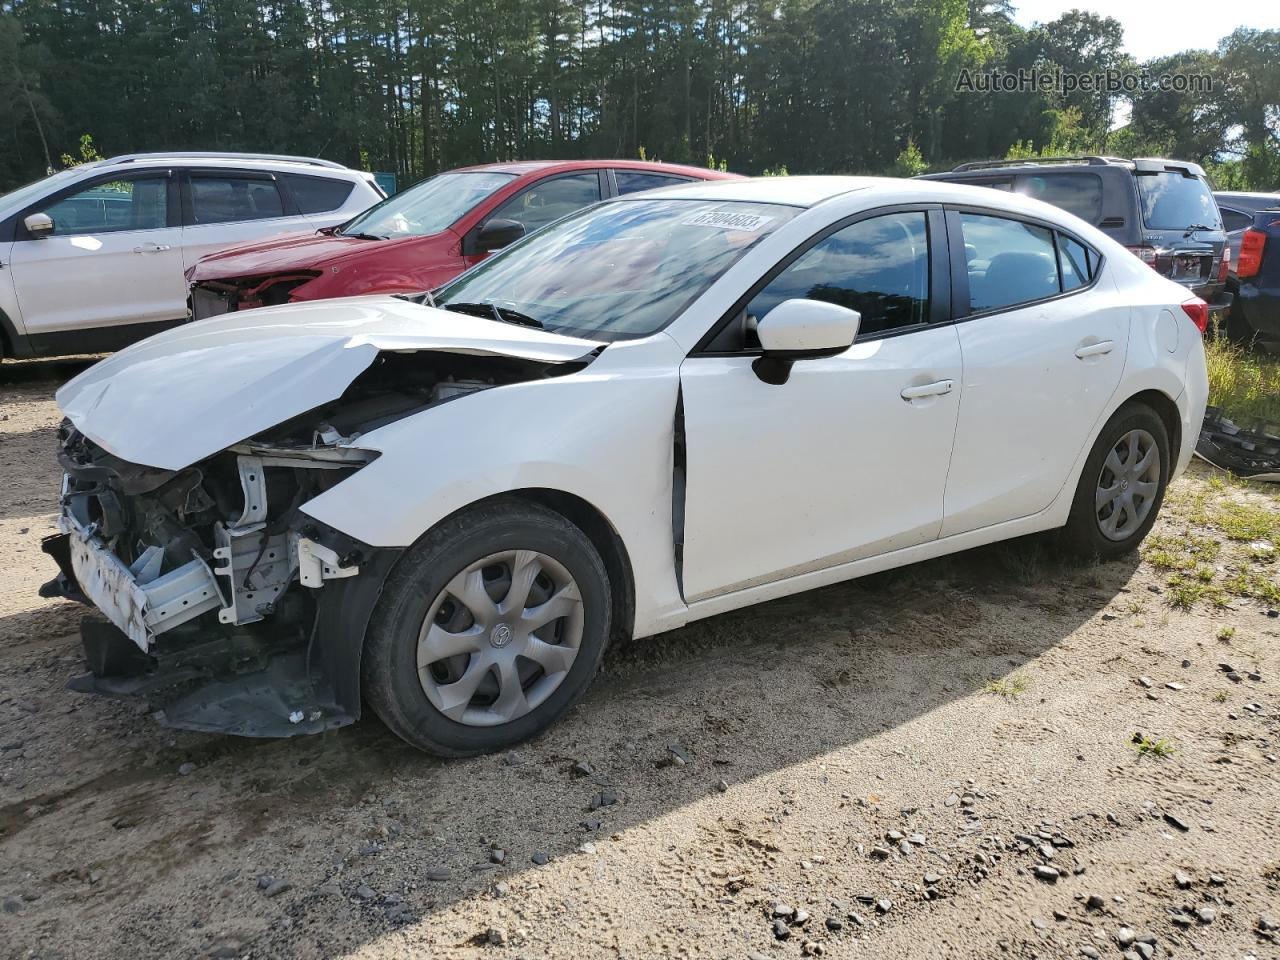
(1146, 254)
(1251, 245)
(1198, 311)
(1225, 266)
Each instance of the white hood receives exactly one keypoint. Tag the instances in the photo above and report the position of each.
(185, 394)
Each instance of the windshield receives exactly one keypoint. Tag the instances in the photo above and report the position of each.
(21, 196)
(427, 208)
(1171, 201)
(618, 271)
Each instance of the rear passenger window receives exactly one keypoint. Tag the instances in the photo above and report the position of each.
(217, 199)
(1008, 261)
(633, 181)
(879, 267)
(1073, 257)
(1078, 193)
(318, 194)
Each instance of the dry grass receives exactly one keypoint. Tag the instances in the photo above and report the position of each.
(1010, 687)
(1244, 383)
(1220, 542)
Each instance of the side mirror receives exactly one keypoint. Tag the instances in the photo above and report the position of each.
(802, 330)
(498, 233)
(39, 224)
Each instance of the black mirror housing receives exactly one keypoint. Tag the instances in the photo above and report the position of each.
(498, 233)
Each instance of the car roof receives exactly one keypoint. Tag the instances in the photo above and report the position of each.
(812, 191)
(1004, 168)
(239, 161)
(1246, 196)
(791, 191)
(523, 167)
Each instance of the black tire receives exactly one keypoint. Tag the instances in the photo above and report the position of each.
(1083, 534)
(389, 671)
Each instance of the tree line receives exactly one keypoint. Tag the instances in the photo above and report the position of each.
(417, 86)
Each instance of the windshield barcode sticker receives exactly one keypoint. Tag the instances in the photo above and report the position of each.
(728, 221)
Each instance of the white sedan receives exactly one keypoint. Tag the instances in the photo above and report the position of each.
(660, 408)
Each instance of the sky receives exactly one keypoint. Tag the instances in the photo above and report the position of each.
(1170, 26)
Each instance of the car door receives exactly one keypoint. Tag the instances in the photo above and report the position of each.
(848, 458)
(538, 204)
(113, 257)
(225, 207)
(1043, 335)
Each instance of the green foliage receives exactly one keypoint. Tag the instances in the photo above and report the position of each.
(88, 153)
(910, 162)
(424, 85)
(1066, 137)
(1147, 747)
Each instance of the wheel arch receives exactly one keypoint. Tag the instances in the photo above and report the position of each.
(8, 336)
(613, 550)
(1167, 410)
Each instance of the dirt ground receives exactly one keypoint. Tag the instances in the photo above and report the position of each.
(883, 768)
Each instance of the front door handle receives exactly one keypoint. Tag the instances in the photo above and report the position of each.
(151, 248)
(927, 390)
(1094, 349)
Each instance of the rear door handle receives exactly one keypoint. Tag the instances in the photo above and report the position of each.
(1094, 349)
(927, 390)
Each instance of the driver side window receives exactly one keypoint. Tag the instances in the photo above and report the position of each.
(879, 267)
(130, 203)
(550, 200)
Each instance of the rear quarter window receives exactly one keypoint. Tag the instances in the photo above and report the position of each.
(1078, 193)
(1235, 220)
(318, 194)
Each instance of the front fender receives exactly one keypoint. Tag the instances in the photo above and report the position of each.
(604, 435)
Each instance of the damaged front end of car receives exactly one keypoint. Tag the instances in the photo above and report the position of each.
(227, 608)
(212, 298)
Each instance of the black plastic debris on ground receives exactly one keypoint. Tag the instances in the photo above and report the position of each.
(1252, 452)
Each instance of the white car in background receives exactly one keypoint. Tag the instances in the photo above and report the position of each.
(93, 258)
(660, 408)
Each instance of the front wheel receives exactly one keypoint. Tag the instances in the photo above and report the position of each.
(1122, 485)
(488, 629)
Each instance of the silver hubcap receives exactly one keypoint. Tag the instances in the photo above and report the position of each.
(1127, 485)
(500, 638)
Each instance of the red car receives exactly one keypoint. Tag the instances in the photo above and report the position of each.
(422, 237)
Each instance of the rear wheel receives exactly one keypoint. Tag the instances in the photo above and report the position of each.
(488, 630)
(1122, 485)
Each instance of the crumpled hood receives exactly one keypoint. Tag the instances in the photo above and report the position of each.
(189, 392)
(286, 253)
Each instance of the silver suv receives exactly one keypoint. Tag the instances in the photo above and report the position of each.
(92, 258)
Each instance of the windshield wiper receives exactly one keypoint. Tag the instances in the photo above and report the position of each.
(363, 236)
(1195, 228)
(501, 314)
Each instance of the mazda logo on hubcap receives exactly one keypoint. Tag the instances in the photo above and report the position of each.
(500, 636)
